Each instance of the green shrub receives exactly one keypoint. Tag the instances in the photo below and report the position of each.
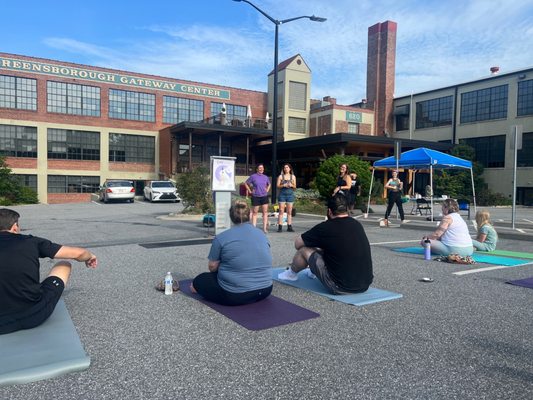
(327, 173)
(195, 191)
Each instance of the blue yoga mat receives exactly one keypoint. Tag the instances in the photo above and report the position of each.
(372, 295)
(50, 350)
(264, 314)
(481, 258)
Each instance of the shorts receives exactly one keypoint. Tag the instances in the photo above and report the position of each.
(286, 196)
(318, 267)
(51, 290)
(259, 201)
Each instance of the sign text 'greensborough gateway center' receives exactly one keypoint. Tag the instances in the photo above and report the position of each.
(107, 77)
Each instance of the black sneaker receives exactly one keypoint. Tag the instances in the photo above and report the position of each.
(289, 228)
(280, 228)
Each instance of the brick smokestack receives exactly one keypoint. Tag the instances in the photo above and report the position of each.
(380, 71)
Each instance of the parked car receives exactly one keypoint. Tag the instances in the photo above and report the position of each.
(161, 191)
(117, 190)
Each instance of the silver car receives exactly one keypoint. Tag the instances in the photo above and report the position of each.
(161, 191)
(118, 189)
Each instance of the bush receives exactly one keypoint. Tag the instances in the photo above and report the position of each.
(195, 191)
(327, 173)
(12, 191)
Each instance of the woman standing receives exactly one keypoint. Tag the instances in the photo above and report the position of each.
(344, 181)
(394, 196)
(240, 263)
(258, 185)
(451, 236)
(286, 185)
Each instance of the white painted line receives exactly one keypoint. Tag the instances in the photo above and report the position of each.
(527, 220)
(399, 241)
(520, 230)
(96, 202)
(473, 271)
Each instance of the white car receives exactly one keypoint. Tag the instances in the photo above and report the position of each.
(161, 191)
(117, 190)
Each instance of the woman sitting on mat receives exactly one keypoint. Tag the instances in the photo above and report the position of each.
(451, 236)
(486, 234)
(240, 263)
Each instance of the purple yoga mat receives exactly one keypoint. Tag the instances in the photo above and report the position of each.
(264, 314)
(528, 282)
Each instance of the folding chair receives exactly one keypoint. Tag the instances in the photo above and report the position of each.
(423, 205)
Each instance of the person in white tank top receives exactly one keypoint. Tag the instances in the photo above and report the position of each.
(452, 235)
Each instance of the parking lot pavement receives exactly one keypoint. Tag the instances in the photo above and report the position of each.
(461, 336)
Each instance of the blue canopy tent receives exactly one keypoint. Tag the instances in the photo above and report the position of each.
(423, 158)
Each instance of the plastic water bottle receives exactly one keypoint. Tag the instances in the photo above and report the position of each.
(168, 283)
(427, 249)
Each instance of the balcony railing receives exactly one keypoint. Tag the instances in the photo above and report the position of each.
(237, 120)
(240, 169)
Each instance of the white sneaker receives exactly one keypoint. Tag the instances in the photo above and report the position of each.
(309, 273)
(288, 275)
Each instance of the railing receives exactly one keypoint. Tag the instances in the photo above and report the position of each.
(240, 169)
(236, 120)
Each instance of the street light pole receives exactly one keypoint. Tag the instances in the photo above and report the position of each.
(277, 23)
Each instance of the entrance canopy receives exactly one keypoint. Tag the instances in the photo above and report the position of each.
(424, 158)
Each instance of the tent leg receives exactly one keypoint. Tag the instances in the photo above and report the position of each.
(370, 192)
(473, 190)
(431, 184)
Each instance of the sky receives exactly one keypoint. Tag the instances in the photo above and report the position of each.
(439, 43)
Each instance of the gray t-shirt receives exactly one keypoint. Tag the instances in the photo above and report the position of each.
(245, 259)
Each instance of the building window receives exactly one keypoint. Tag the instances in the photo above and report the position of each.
(131, 148)
(401, 116)
(29, 181)
(525, 98)
(434, 112)
(484, 104)
(490, 150)
(18, 141)
(196, 155)
(213, 151)
(68, 98)
(66, 144)
(525, 155)
(177, 109)
(134, 106)
(19, 93)
(296, 125)
(353, 127)
(297, 95)
(73, 184)
(233, 111)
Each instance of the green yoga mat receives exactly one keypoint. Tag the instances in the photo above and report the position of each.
(508, 253)
(478, 257)
(50, 350)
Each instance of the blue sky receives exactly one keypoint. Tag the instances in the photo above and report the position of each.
(223, 42)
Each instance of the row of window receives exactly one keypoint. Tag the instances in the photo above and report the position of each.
(68, 98)
(69, 144)
(478, 105)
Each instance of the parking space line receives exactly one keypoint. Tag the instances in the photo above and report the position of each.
(473, 271)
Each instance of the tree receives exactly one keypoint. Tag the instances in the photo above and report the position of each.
(11, 189)
(194, 189)
(327, 173)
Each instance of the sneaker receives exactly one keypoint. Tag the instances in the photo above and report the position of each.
(280, 228)
(288, 275)
(289, 228)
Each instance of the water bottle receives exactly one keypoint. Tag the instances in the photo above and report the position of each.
(168, 283)
(427, 249)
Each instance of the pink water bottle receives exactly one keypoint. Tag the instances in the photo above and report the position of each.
(427, 249)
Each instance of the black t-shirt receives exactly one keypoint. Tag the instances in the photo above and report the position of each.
(355, 187)
(346, 251)
(19, 270)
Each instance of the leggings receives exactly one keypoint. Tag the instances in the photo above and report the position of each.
(394, 197)
(207, 286)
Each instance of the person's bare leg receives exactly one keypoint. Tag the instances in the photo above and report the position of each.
(281, 211)
(255, 210)
(299, 261)
(264, 209)
(289, 213)
(62, 270)
(193, 290)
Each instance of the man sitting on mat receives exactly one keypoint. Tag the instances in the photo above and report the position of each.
(337, 252)
(24, 302)
(240, 263)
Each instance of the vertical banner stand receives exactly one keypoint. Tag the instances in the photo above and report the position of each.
(222, 185)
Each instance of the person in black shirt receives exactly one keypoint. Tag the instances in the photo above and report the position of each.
(24, 301)
(355, 190)
(337, 252)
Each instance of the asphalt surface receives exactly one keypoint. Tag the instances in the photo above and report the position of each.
(461, 336)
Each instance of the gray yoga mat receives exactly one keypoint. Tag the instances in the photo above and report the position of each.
(47, 351)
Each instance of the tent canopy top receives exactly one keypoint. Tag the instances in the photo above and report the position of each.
(424, 158)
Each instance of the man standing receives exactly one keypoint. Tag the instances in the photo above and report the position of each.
(25, 302)
(337, 252)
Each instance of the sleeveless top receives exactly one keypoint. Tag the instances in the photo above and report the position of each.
(285, 181)
(457, 234)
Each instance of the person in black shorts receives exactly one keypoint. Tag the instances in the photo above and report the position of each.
(337, 252)
(24, 301)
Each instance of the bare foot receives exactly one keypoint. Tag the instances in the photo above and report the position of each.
(193, 290)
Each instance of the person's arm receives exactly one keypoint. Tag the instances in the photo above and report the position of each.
(347, 183)
(443, 227)
(293, 182)
(387, 185)
(78, 254)
(213, 265)
(248, 189)
(481, 235)
(279, 185)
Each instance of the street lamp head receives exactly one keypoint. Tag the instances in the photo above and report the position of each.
(312, 18)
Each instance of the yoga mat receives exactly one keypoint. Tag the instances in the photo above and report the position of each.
(47, 351)
(528, 282)
(481, 258)
(372, 295)
(508, 253)
(265, 314)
